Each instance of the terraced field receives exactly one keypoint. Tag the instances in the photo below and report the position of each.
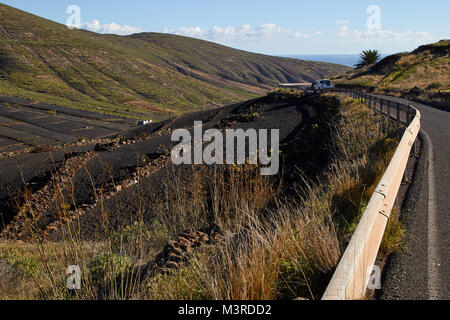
(92, 166)
(25, 124)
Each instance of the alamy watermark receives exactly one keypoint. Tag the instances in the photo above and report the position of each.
(374, 273)
(242, 147)
(74, 20)
(73, 282)
(374, 20)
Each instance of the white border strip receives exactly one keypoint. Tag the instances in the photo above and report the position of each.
(433, 264)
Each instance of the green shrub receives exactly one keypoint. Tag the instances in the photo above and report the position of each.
(20, 263)
(139, 238)
(107, 266)
(435, 85)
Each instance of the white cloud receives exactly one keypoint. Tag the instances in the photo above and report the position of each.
(94, 26)
(244, 33)
(110, 28)
(381, 36)
(342, 22)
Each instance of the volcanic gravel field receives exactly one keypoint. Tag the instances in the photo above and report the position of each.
(127, 168)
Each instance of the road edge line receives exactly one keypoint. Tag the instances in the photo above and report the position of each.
(433, 267)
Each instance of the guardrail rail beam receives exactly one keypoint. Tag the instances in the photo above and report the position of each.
(352, 275)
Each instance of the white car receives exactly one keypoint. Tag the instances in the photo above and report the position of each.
(323, 85)
(145, 122)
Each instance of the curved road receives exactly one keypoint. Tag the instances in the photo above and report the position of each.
(422, 271)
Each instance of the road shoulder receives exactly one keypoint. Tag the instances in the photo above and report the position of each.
(406, 273)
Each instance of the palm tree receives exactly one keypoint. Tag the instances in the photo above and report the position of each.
(368, 57)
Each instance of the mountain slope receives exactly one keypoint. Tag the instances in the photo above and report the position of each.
(426, 68)
(154, 74)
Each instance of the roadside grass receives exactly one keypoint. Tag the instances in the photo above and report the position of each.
(394, 234)
(29, 270)
(292, 252)
(272, 247)
(423, 71)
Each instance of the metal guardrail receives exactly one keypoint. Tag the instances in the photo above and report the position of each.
(353, 273)
(398, 111)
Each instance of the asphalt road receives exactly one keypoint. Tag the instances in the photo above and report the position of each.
(422, 271)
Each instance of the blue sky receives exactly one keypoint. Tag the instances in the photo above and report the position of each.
(283, 27)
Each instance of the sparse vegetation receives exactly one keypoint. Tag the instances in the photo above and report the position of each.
(422, 75)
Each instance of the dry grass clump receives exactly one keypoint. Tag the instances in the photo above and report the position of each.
(216, 194)
(279, 259)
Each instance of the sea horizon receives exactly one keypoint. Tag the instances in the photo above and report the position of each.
(349, 60)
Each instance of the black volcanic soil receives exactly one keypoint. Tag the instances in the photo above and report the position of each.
(81, 171)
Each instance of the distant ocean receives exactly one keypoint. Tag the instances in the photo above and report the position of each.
(345, 59)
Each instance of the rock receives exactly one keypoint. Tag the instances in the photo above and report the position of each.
(413, 93)
(180, 250)
(174, 257)
(171, 265)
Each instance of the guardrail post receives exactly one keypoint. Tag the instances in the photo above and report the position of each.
(409, 117)
(372, 105)
(398, 111)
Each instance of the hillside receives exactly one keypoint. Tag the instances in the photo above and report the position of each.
(122, 199)
(158, 75)
(423, 74)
